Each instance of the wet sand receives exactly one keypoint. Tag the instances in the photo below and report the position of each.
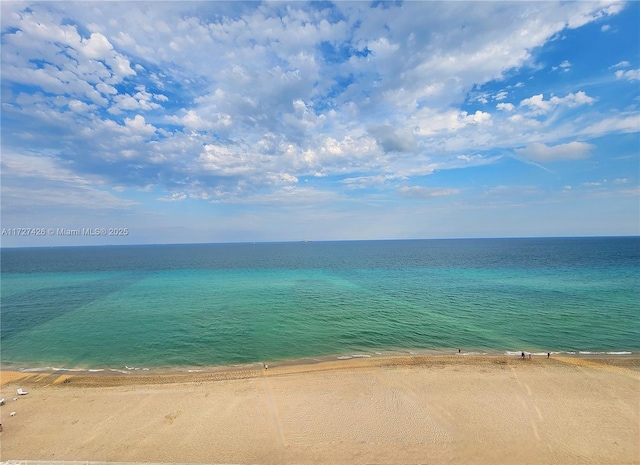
(386, 410)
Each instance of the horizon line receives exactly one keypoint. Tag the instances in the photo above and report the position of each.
(302, 241)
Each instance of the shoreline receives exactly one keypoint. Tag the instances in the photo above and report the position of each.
(170, 375)
(126, 369)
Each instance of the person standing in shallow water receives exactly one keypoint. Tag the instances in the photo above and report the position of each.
(522, 354)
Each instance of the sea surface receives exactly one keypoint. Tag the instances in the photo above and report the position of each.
(191, 306)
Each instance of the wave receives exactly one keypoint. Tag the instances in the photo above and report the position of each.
(347, 357)
(561, 352)
(623, 352)
(71, 370)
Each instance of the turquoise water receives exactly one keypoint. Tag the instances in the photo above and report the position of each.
(216, 304)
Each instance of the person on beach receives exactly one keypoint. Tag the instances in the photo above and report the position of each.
(523, 355)
(529, 355)
(548, 354)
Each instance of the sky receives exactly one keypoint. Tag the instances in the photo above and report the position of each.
(187, 122)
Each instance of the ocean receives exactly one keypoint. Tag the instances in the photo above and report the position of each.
(202, 305)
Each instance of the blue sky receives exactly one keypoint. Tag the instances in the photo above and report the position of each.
(247, 121)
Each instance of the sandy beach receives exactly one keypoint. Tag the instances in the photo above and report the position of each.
(387, 410)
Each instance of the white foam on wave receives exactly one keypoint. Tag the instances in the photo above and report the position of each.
(35, 370)
(589, 352)
(582, 352)
(586, 352)
(347, 357)
(54, 369)
(194, 371)
(127, 369)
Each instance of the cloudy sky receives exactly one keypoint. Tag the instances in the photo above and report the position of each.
(247, 121)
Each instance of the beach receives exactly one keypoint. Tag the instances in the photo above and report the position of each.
(385, 410)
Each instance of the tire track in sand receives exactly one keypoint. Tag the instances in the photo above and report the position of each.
(273, 411)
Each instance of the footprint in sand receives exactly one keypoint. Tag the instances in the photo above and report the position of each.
(168, 419)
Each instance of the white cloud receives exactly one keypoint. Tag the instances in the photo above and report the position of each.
(285, 196)
(363, 182)
(175, 197)
(509, 192)
(479, 117)
(543, 153)
(539, 106)
(429, 122)
(138, 126)
(80, 107)
(565, 66)
(281, 179)
(621, 64)
(192, 120)
(500, 95)
(623, 123)
(421, 192)
(40, 184)
(505, 106)
(630, 75)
